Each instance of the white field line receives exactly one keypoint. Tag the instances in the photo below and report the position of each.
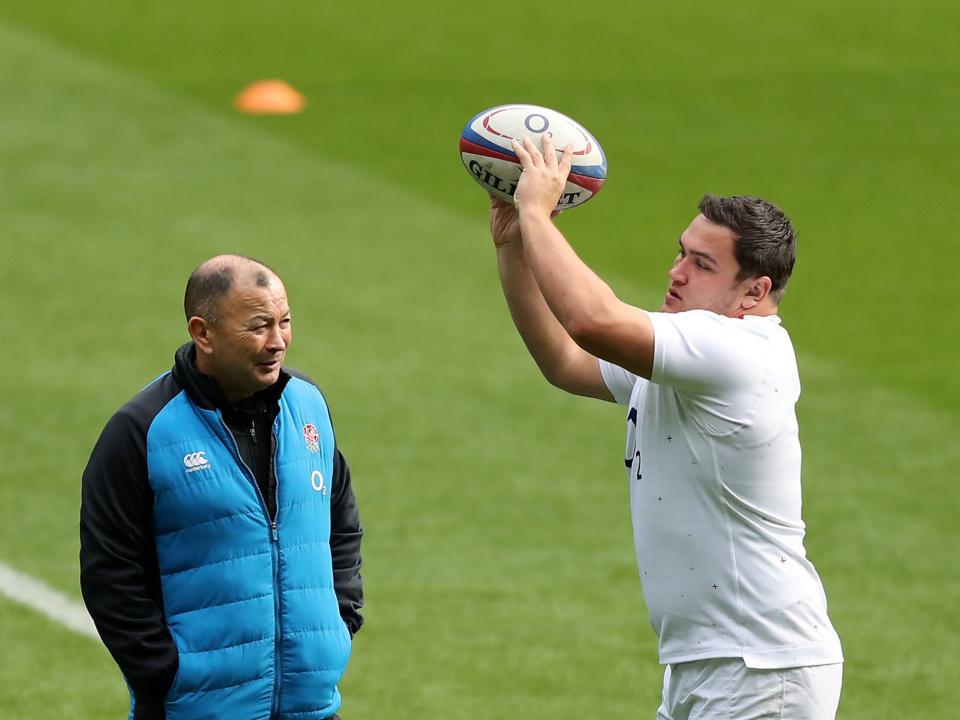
(32, 593)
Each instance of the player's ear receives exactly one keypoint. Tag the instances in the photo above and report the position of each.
(200, 331)
(757, 289)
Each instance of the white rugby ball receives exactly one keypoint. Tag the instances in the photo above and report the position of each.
(488, 156)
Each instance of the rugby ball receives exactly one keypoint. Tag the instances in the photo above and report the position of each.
(487, 154)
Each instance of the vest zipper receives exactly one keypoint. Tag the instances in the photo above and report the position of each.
(278, 610)
(252, 477)
(275, 552)
(274, 560)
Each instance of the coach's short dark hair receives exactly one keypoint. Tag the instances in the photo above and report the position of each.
(766, 243)
(210, 283)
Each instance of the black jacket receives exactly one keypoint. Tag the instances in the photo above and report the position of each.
(119, 575)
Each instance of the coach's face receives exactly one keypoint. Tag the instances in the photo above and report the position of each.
(704, 273)
(251, 336)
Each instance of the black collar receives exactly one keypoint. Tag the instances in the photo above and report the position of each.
(206, 393)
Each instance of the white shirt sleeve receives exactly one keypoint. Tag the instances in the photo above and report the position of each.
(619, 382)
(699, 352)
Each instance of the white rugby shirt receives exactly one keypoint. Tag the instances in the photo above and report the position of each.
(713, 462)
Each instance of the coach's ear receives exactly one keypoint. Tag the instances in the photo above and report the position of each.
(200, 331)
(757, 290)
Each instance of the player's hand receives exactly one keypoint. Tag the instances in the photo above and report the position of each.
(504, 222)
(544, 176)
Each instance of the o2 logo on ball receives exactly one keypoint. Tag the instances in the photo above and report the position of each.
(540, 120)
(487, 154)
(537, 123)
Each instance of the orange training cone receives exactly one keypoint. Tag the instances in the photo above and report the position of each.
(269, 97)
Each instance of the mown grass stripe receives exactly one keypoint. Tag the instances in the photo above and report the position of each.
(27, 591)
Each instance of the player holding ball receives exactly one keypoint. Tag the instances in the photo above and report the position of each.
(713, 457)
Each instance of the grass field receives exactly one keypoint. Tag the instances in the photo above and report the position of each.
(499, 567)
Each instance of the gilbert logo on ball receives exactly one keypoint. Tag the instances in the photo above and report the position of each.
(488, 156)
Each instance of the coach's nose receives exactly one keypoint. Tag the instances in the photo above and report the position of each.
(276, 342)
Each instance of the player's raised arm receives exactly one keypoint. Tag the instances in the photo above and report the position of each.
(585, 307)
(562, 362)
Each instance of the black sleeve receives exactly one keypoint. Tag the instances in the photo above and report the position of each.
(345, 536)
(119, 576)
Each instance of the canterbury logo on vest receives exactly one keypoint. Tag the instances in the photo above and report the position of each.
(196, 461)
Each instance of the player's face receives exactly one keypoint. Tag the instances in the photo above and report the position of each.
(704, 273)
(250, 338)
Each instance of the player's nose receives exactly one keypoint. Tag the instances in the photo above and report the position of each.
(676, 273)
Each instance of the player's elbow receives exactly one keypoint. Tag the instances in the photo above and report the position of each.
(565, 376)
(556, 378)
(561, 366)
(589, 318)
(553, 371)
(590, 330)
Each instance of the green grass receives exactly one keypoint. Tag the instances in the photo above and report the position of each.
(498, 559)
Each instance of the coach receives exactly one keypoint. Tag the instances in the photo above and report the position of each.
(220, 539)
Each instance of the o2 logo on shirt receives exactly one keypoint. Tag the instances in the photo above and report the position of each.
(317, 482)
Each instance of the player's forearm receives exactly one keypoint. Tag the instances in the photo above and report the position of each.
(546, 340)
(576, 296)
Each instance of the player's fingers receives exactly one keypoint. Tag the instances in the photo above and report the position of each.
(524, 157)
(533, 150)
(566, 162)
(549, 154)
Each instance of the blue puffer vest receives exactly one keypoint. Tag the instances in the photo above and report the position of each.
(251, 606)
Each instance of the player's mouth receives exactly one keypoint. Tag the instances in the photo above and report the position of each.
(673, 294)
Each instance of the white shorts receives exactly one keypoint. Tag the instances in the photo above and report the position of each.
(726, 689)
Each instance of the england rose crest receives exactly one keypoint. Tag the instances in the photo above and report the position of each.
(312, 437)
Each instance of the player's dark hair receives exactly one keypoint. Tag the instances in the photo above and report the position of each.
(210, 283)
(766, 243)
